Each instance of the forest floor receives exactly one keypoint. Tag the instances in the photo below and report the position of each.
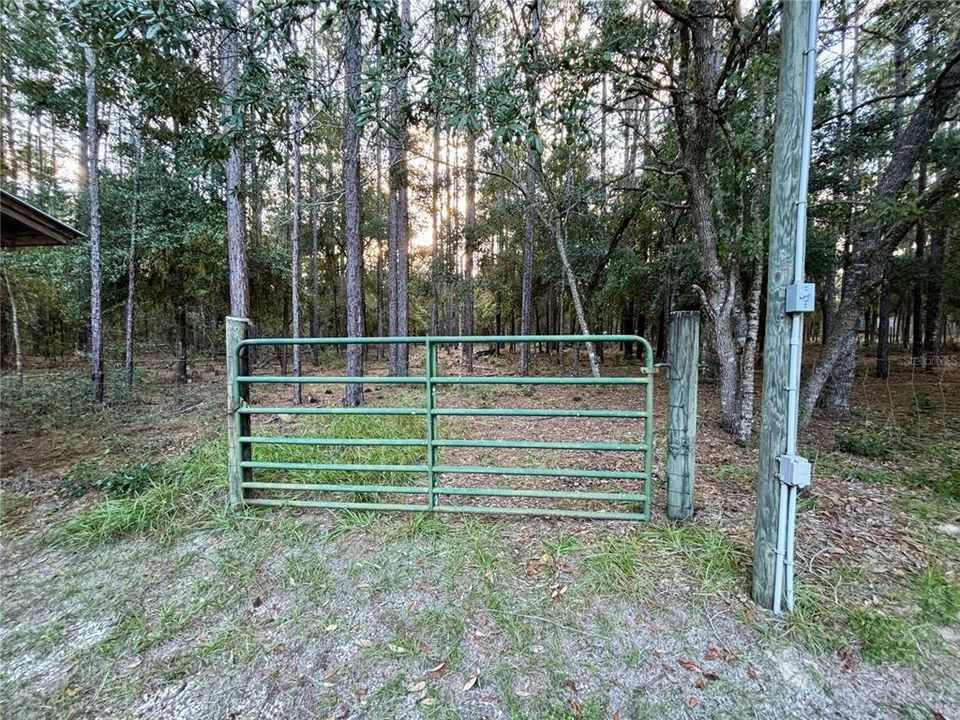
(128, 589)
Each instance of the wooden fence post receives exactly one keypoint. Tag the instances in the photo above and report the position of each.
(237, 423)
(683, 364)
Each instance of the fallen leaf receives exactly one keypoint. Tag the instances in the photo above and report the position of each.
(257, 601)
(427, 701)
(689, 665)
(577, 706)
(563, 567)
(330, 628)
(713, 653)
(470, 684)
(700, 684)
(570, 684)
(658, 653)
(693, 702)
(361, 692)
(751, 672)
(438, 670)
(707, 675)
(417, 686)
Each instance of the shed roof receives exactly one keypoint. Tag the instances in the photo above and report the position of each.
(23, 225)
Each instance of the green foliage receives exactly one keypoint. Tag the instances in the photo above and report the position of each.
(55, 400)
(883, 638)
(84, 476)
(81, 477)
(866, 443)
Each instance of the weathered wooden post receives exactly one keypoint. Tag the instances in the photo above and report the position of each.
(683, 363)
(238, 424)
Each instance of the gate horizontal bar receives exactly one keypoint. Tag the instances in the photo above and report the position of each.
(539, 472)
(445, 340)
(336, 505)
(477, 509)
(332, 380)
(539, 445)
(270, 465)
(439, 380)
(558, 494)
(508, 380)
(536, 412)
(549, 512)
(462, 491)
(333, 487)
(360, 442)
(247, 410)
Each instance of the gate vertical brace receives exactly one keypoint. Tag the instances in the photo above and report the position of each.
(238, 424)
(430, 366)
(684, 360)
(648, 429)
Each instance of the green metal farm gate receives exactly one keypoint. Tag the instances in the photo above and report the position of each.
(435, 492)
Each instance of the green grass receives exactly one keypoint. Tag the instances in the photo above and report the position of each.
(707, 553)
(188, 492)
(614, 566)
(938, 597)
(345, 427)
(631, 565)
(743, 476)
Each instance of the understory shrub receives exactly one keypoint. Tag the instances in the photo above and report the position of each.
(866, 443)
(84, 476)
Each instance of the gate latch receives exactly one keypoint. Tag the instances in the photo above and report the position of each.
(795, 470)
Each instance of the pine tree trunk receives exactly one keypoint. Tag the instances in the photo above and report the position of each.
(14, 328)
(470, 224)
(180, 323)
(530, 193)
(882, 369)
(398, 213)
(132, 267)
(93, 179)
(381, 304)
(295, 247)
(932, 339)
(351, 181)
(916, 348)
(229, 61)
(314, 265)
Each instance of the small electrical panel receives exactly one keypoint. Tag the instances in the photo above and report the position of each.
(795, 470)
(800, 297)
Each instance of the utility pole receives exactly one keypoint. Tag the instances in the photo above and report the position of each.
(782, 471)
